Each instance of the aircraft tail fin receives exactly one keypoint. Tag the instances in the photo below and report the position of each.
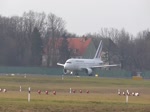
(99, 50)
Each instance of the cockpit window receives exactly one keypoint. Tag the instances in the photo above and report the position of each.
(68, 62)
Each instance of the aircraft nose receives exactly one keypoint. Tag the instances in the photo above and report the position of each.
(65, 66)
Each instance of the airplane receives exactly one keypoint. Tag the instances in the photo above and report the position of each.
(74, 65)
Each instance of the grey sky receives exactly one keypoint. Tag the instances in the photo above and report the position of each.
(84, 16)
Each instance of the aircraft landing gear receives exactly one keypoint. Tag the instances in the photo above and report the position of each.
(90, 74)
(76, 73)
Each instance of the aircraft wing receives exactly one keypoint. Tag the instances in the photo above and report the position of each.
(60, 64)
(104, 66)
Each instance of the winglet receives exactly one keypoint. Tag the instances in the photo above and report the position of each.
(99, 50)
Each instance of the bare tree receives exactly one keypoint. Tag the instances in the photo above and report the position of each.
(55, 29)
(30, 21)
(142, 54)
(18, 30)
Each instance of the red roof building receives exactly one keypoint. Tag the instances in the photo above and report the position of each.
(77, 45)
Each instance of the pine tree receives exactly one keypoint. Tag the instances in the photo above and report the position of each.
(64, 51)
(36, 48)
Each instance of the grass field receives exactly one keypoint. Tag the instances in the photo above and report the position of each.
(102, 96)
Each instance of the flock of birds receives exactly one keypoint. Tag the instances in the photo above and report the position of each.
(3, 90)
(128, 93)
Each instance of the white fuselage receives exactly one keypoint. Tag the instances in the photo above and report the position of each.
(78, 64)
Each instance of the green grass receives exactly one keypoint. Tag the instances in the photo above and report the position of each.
(102, 97)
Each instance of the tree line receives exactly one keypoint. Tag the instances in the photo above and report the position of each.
(133, 52)
(23, 39)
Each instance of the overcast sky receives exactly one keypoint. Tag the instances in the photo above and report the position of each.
(84, 16)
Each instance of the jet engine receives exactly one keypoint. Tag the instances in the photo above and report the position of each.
(88, 71)
(66, 71)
